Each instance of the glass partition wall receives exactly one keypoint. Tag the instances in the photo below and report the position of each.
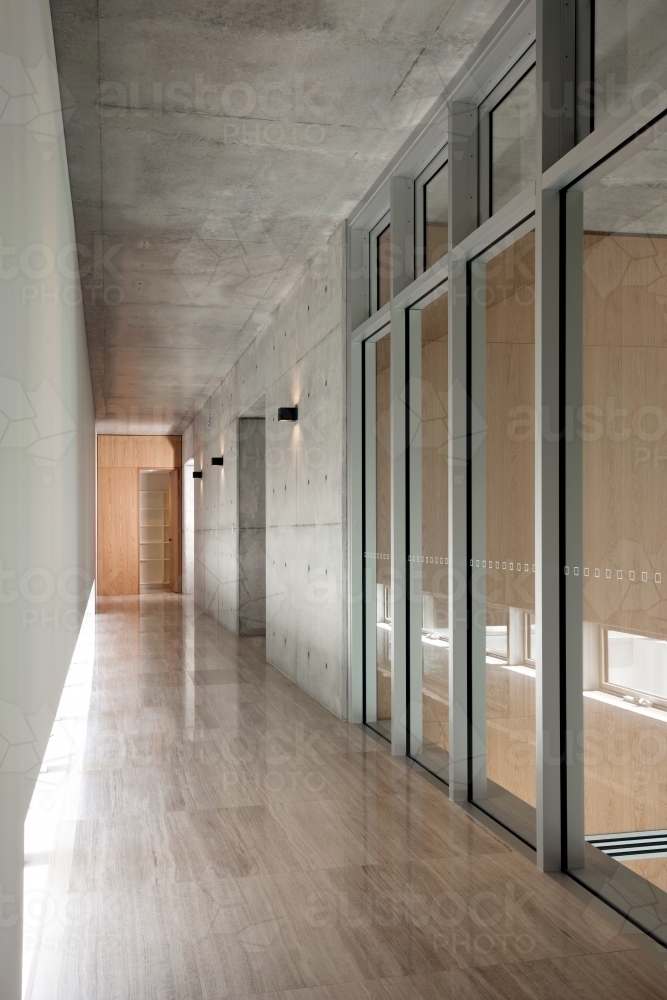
(516, 466)
(377, 541)
(428, 562)
(619, 368)
(502, 491)
(630, 55)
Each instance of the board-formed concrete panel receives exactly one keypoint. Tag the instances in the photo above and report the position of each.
(304, 562)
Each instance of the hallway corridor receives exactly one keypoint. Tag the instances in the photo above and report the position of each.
(234, 839)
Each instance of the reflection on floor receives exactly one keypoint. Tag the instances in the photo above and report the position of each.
(234, 839)
(625, 752)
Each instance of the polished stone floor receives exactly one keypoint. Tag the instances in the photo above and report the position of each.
(234, 839)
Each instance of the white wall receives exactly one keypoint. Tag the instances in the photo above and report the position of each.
(47, 440)
(297, 359)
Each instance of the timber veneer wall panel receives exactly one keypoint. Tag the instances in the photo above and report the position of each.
(117, 532)
(434, 445)
(434, 540)
(625, 449)
(510, 440)
(138, 451)
(119, 459)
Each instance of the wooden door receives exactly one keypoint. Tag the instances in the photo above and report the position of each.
(175, 531)
(117, 532)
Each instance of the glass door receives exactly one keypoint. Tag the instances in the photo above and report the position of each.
(154, 529)
(502, 519)
(377, 534)
(428, 561)
(616, 566)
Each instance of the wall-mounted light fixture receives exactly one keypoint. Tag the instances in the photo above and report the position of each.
(198, 474)
(288, 413)
(218, 460)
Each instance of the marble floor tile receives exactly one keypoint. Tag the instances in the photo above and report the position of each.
(233, 839)
(119, 945)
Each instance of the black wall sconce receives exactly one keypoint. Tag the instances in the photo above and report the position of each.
(288, 413)
(218, 460)
(198, 474)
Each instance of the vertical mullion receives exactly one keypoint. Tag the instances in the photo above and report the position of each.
(572, 513)
(357, 547)
(556, 119)
(399, 535)
(415, 571)
(548, 486)
(463, 172)
(477, 514)
(457, 407)
(370, 520)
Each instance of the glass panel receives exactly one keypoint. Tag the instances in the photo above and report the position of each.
(436, 217)
(503, 533)
(383, 267)
(378, 536)
(428, 557)
(630, 53)
(513, 142)
(624, 573)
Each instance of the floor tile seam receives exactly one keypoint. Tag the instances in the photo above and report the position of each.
(383, 865)
(347, 982)
(569, 956)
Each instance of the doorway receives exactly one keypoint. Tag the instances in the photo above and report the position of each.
(159, 530)
(252, 526)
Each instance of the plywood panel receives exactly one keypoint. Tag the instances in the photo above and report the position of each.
(117, 531)
(434, 446)
(625, 449)
(434, 570)
(138, 451)
(510, 420)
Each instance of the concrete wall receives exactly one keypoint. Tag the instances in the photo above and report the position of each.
(252, 526)
(47, 437)
(298, 359)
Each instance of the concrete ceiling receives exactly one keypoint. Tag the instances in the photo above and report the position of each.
(213, 147)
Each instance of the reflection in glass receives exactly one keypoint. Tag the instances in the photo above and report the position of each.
(383, 267)
(429, 713)
(503, 534)
(513, 142)
(624, 572)
(378, 536)
(630, 54)
(436, 217)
